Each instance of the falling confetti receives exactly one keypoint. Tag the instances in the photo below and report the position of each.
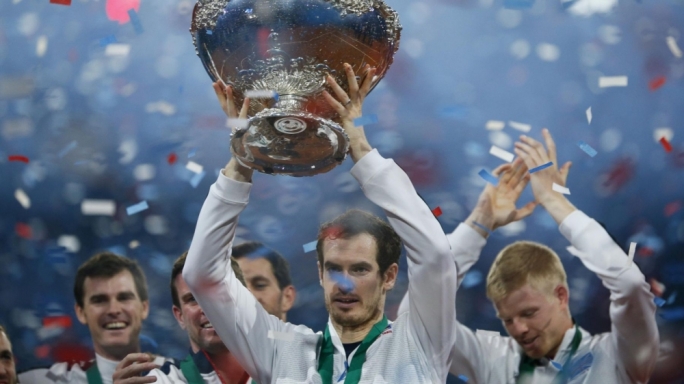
(589, 116)
(587, 148)
(656, 83)
(18, 158)
(194, 167)
(482, 227)
(308, 247)
(107, 40)
(666, 144)
(541, 167)
(437, 212)
(61, 2)
(495, 125)
(560, 189)
(137, 208)
(171, 158)
(674, 48)
(501, 153)
(117, 50)
(659, 301)
(22, 198)
(612, 81)
(365, 120)
(23, 230)
(520, 126)
(135, 20)
(488, 177)
(93, 207)
(197, 178)
(70, 147)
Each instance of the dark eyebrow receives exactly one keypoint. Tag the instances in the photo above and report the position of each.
(101, 296)
(126, 295)
(328, 264)
(188, 296)
(362, 264)
(259, 278)
(6, 354)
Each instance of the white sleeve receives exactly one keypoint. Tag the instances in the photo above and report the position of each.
(634, 332)
(464, 259)
(432, 273)
(239, 319)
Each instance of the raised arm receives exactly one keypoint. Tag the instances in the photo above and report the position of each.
(634, 335)
(238, 318)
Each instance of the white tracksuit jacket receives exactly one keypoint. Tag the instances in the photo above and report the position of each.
(627, 354)
(415, 349)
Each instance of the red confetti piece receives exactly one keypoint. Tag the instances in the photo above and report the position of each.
(61, 2)
(666, 144)
(23, 230)
(21, 158)
(57, 321)
(42, 351)
(437, 212)
(172, 158)
(656, 83)
(672, 208)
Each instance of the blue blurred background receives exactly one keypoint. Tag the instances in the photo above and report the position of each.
(99, 107)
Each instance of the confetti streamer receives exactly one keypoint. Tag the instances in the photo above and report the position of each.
(93, 207)
(659, 302)
(308, 247)
(22, 198)
(666, 144)
(657, 83)
(587, 148)
(20, 158)
(196, 179)
(589, 116)
(171, 158)
(520, 126)
(61, 2)
(283, 336)
(557, 365)
(482, 227)
(612, 81)
(261, 94)
(674, 48)
(495, 125)
(632, 249)
(117, 50)
(463, 378)
(561, 189)
(365, 120)
(194, 167)
(541, 167)
(488, 177)
(210, 32)
(437, 212)
(237, 123)
(501, 154)
(137, 208)
(67, 149)
(135, 20)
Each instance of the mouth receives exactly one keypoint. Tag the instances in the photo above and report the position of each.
(345, 302)
(115, 325)
(527, 343)
(207, 325)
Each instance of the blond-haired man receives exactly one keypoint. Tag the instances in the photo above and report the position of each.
(528, 287)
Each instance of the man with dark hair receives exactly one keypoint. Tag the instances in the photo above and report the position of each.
(8, 371)
(111, 299)
(357, 267)
(267, 274)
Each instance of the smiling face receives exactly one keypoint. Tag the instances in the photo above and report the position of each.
(354, 289)
(8, 372)
(536, 320)
(193, 320)
(113, 312)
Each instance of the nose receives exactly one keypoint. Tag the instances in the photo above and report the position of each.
(114, 307)
(518, 328)
(342, 281)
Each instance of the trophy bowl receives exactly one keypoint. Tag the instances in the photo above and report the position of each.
(280, 51)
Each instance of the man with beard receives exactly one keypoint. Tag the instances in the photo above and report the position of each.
(111, 299)
(8, 371)
(358, 256)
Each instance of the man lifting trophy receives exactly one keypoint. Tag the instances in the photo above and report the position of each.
(278, 53)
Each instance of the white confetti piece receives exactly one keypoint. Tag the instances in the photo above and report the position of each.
(612, 81)
(163, 107)
(22, 198)
(194, 167)
(117, 49)
(561, 189)
(520, 126)
(501, 154)
(674, 48)
(589, 116)
(659, 133)
(92, 207)
(632, 249)
(41, 46)
(261, 94)
(137, 208)
(495, 125)
(283, 336)
(237, 123)
(134, 244)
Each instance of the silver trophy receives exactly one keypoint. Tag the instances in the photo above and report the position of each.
(281, 51)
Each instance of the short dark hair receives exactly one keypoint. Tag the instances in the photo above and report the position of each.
(178, 268)
(279, 266)
(107, 264)
(355, 222)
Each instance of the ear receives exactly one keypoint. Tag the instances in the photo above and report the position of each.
(146, 309)
(320, 273)
(562, 295)
(178, 314)
(390, 277)
(288, 298)
(80, 314)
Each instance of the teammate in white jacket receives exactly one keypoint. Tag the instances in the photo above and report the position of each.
(528, 287)
(356, 268)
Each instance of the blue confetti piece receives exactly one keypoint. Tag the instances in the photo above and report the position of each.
(556, 365)
(135, 20)
(365, 120)
(454, 112)
(541, 167)
(308, 247)
(587, 148)
(210, 32)
(67, 149)
(475, 223)
(463, 378)
(345, 284)
(192, 153)
(488, 177)
(659, 301)
(137, 208)
(197, 178)
(518, 4)
(111, 39)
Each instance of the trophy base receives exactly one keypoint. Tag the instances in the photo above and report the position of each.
(287, 142)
